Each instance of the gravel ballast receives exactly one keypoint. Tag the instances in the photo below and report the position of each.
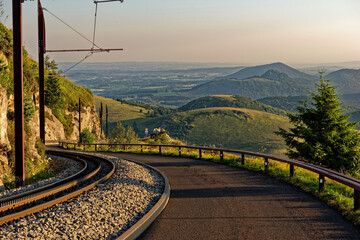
(64, 167)
(102, 213)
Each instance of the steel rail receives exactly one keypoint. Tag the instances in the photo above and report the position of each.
(33, 195)
(323, 172)
(61, 190)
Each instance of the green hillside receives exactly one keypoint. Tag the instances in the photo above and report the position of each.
(230, 101)
(236, 128)
(262, 69)
(347, 80)
(272, 83)
(286, 103)
(119, 111)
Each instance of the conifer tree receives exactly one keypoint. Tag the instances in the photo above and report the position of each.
(322, 133)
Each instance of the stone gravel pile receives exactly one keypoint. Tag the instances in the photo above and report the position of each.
(102, 213)
(63, 166)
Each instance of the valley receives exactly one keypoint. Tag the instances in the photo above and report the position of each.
(226, 106)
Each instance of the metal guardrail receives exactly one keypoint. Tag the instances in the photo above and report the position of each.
(323, 172)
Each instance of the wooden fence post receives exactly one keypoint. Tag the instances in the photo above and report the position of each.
(291, 170)
(356, 199)
(242, 159)
(321, 182)
(266, 164)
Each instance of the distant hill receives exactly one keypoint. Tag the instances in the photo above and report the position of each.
(260, 70)
(230, 101)
(347, 80)
(214, 70)
(271, 83)
(236, 128)
(285, 103)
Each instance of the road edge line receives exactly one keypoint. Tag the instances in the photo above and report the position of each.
(144, 223)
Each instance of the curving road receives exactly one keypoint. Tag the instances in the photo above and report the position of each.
(212, 201)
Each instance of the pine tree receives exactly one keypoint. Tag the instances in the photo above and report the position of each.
(53, 94)
(322, 133)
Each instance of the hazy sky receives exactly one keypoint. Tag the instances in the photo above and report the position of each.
(241, 31)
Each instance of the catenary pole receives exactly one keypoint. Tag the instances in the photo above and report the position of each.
(41, 38)
(79, 119)
(101, 117)
(18, 92)
(107, 121)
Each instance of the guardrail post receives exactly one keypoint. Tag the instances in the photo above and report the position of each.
(141, 148)
(179, 151)
(108, 147)
(291, 170)
(84, 147)
(124, 146)
(242, 159)
(200, 153)
(221, 155)
(160, 150)
(356, 199)
(74, 146)
(95, 147)
(321, 182)
(266, 164)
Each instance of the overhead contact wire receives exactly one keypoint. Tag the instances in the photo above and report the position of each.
(86, 57)
(93, 43)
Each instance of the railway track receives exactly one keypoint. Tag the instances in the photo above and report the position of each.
(96, 170)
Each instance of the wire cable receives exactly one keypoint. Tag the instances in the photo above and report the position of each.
(86, 57)
(93, 43)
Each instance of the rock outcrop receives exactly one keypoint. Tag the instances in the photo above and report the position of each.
(89, 119)
(5, 146)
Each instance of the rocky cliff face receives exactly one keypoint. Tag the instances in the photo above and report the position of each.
(89, 119)
(4, 141)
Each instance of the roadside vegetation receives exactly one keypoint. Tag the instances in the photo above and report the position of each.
(61, 96)
(334, 194)
(322, 134)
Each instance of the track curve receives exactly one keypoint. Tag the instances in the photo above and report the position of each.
(212, 201)
(96, 171)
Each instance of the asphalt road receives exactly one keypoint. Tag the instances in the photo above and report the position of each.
(212, 201)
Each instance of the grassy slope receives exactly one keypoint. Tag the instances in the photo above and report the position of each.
(255, 87)
(73, 92)
(119, 111)
(230, 101)
(236, 128)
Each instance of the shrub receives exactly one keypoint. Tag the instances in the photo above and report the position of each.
(86, 136)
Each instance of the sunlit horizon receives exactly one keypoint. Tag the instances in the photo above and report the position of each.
(232, 32)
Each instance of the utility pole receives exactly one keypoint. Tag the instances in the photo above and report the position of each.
(18, 92)
(101, 117)
(41, 38)
(79, 119)
(107, 121)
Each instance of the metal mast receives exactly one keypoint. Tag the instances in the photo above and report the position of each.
(18, 92)
(42, 42)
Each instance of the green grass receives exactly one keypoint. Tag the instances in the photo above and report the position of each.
(119, 111)
(235, 128)
(230, 101)
(72, 93)
(334, 194)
